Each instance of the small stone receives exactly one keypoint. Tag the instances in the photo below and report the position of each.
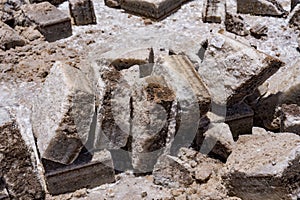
(260, 7)
(51, 22)
(80, 193)
(3, 193)
(31, 34)
(82, 12)
(144, 194)
(171, 171)
(113, 3)
(235, 24)
(218, 140)
(259, 31)
(9, 38)
(217, 42)
(291, 118)
(294, 17)
(213, 11)
(259, 131)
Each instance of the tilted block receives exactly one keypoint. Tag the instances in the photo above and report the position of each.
(51, 22)
(232, 70)
(63, 114)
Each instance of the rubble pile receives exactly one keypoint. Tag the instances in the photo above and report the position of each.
(99, 97)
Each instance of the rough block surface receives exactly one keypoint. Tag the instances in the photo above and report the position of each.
(51, 22)
(82, 12)
(264, 166)
(63, 114)
(9, 38)
(16, 160)
(232, 70)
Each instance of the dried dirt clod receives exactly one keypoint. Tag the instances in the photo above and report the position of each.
(261, 159)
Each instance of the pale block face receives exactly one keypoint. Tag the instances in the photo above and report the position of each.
(63, 114)
(182, 77)
(156, 9)
(232, 70)
(51, 22)
(264, 166)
